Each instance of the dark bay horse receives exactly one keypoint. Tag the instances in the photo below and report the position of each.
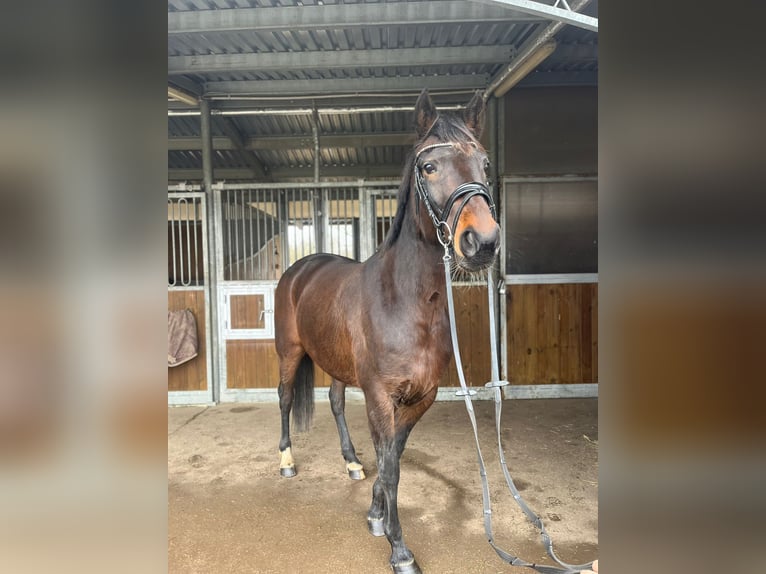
(382, 325)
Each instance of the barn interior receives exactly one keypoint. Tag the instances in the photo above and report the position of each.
(288, 127)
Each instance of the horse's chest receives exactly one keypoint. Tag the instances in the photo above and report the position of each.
(429, 364)
(421, 354)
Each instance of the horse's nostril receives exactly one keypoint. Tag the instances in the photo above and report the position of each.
(469, 243)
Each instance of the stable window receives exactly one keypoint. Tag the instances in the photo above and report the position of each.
(551, 227)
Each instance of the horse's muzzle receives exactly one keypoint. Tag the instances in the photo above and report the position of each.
(479, 249)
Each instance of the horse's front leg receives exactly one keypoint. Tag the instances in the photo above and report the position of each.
(389, 450)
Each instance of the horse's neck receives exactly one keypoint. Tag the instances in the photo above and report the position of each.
(417, 266)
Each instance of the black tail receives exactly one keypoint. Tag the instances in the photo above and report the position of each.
(303, 399)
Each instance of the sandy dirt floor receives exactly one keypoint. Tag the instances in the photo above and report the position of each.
(230, 511)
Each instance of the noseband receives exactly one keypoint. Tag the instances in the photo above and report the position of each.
(465, 191)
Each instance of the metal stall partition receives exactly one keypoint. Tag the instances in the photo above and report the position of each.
(549, 296)
(189, 374)
(262, 230)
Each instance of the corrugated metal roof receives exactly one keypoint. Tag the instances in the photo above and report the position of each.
(269, 54)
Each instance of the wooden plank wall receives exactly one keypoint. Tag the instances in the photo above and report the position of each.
(253, 364)
(192, 375)
(472, 323)
(552, 338)
(552, 333)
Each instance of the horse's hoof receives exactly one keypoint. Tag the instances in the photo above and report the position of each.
(375, 526)
(287, 471)
(356, 474)
(286, 464)
(355, 471)
(410, 567)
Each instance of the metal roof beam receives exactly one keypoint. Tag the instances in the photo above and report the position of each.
(298, 142)
(280, 61)
(194, 143)
(528, 49)
(566, 15)
(347, 85)
(186, 85)
(290, 172)
(339, 16)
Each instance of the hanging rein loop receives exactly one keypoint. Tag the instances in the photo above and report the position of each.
(444, 233)
(496, 385)
(466, 191)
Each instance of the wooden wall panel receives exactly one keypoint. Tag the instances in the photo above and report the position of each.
(253, 364)
(552, 339)
(472, 323)
(552, 334)
(321, 379)
(192, 375)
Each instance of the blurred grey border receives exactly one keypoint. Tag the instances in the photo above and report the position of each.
(83, 413)
(682, 290)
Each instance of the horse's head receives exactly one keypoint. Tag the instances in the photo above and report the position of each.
(451, 181)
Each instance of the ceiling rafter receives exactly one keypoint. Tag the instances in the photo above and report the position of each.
(346, 85)
(318, 60)
(361, 140)
(228, 127)
(528, 49)
(411, 84)
(291, 172)
(339, 16)
(565, 15)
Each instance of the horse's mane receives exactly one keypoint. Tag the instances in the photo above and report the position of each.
(447, 127)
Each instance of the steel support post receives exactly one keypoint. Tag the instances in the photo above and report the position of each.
(283, 215)
(494, 157)
(366, 223)
(213, 214)
(501, 173)
(320, 213)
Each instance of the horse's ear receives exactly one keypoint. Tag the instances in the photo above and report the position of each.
(474, 113)
(425, 114)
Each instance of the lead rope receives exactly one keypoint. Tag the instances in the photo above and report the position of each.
(496, 384)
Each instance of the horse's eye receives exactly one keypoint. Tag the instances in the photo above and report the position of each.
(486, 165)
(429, 168)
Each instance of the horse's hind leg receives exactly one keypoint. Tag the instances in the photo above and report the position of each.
(338, 405)
(288, 366)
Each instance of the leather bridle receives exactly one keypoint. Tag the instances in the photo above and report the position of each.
(465, 191)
